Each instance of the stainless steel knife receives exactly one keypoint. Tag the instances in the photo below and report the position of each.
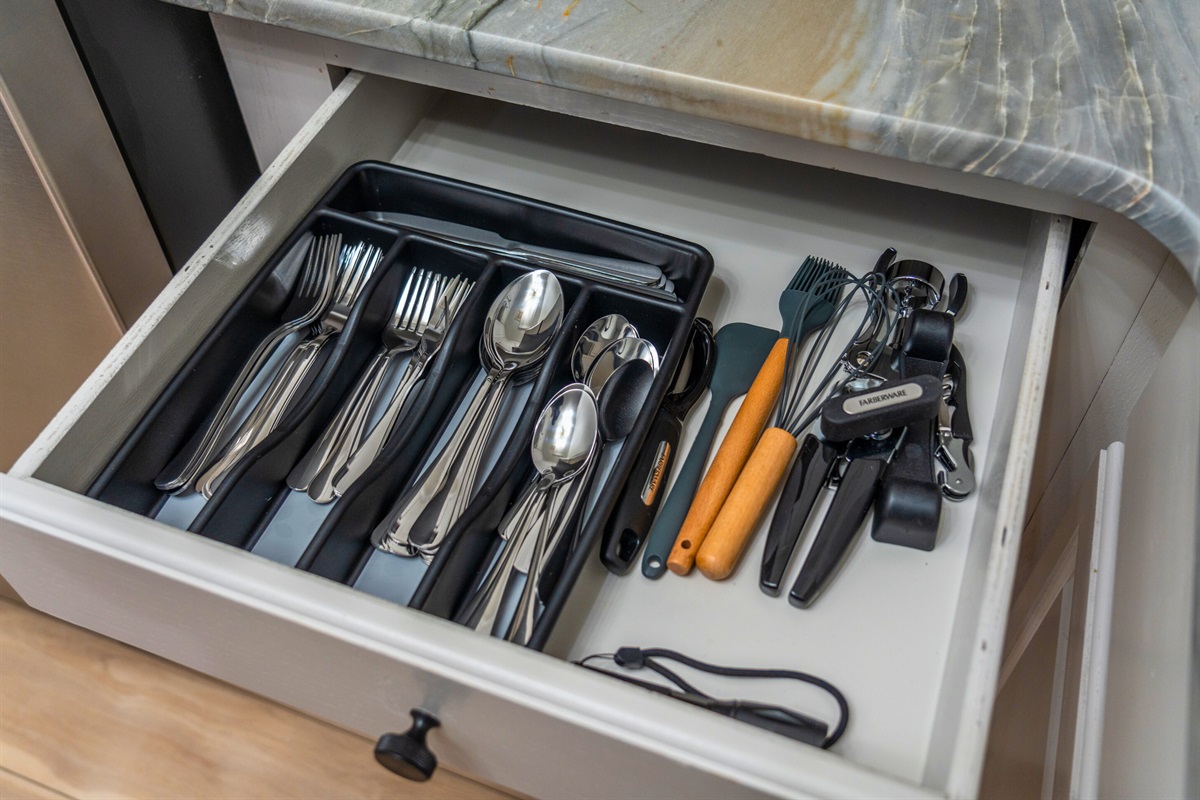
(619, 270)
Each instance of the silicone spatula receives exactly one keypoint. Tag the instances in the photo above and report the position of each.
(741, 349)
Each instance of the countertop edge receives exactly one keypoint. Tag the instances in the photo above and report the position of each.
(1160, 212)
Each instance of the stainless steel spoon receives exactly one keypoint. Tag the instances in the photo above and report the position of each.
(595, 339)
(563, 444)
(618, 406)
(519, 329)
(616, 355)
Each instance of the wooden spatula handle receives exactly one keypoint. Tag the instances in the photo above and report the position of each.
(731, 457)
(727, 539)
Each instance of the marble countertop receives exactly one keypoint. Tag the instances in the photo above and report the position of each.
(1097, 100)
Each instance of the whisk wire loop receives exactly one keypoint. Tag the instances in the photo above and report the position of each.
(801, 400)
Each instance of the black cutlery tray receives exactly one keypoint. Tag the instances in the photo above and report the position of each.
(252, 493)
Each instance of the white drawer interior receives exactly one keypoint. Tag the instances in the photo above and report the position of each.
(897, 629)
(882, 632)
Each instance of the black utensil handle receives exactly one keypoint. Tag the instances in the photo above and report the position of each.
(853, 500)
(884, 261)
(675, 506)
(638, 504)
(960, 422)
(703, 363)
(958, 294)
(927, 342)
(892, 404)
(907, 512)
(809, 472)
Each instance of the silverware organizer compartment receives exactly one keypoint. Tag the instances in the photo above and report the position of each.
(378, 186)
(245, 506)
(473, 542)
(341, 547)
(337, 544)
(184, 407)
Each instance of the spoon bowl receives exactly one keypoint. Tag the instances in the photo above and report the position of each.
(623, 398)
(617, 354)
(565, 434)
(595, 339)
(523, 320)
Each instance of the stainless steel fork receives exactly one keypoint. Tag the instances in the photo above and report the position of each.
(367, 450)
(414, 307)
(314, 290)
(358, 264)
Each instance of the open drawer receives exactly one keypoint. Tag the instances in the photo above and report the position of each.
(912, 638)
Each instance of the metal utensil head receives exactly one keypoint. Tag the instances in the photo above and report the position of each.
(616, 354)
(524, 319)
(595, 338)
(917, 284)
(565, 434)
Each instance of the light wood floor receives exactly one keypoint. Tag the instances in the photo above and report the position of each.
(82, 716)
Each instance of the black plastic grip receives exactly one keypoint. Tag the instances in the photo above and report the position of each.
(957, 294)
(907, 513)
(630, 521)
(809, 472)
(892, 404)
(928, 337)
(910, 504)
(960, 422)
(853, 500)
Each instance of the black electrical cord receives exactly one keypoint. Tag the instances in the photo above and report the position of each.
(776, 718)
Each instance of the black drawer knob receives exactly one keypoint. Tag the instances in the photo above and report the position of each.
(405, 753)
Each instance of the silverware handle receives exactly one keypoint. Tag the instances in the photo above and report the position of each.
(656, 283)
(321, 488)
(216, 428)
(429, 488)
(369, 449)
(483, 607)
(517, 515)
(525, 614)
(461, 487)
(636, 272)
(266, 414)
(315, 460)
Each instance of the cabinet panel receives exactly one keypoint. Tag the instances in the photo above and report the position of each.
(1150, 725)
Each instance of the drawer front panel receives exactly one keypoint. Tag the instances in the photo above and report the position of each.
(362, 663)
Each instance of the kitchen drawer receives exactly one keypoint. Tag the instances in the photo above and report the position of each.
(912, 638)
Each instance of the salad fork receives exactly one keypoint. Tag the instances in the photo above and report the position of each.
(358, 264)
(414, 307)
(367, 450)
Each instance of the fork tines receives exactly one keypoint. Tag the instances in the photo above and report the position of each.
(452, 298)
(357, 264)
